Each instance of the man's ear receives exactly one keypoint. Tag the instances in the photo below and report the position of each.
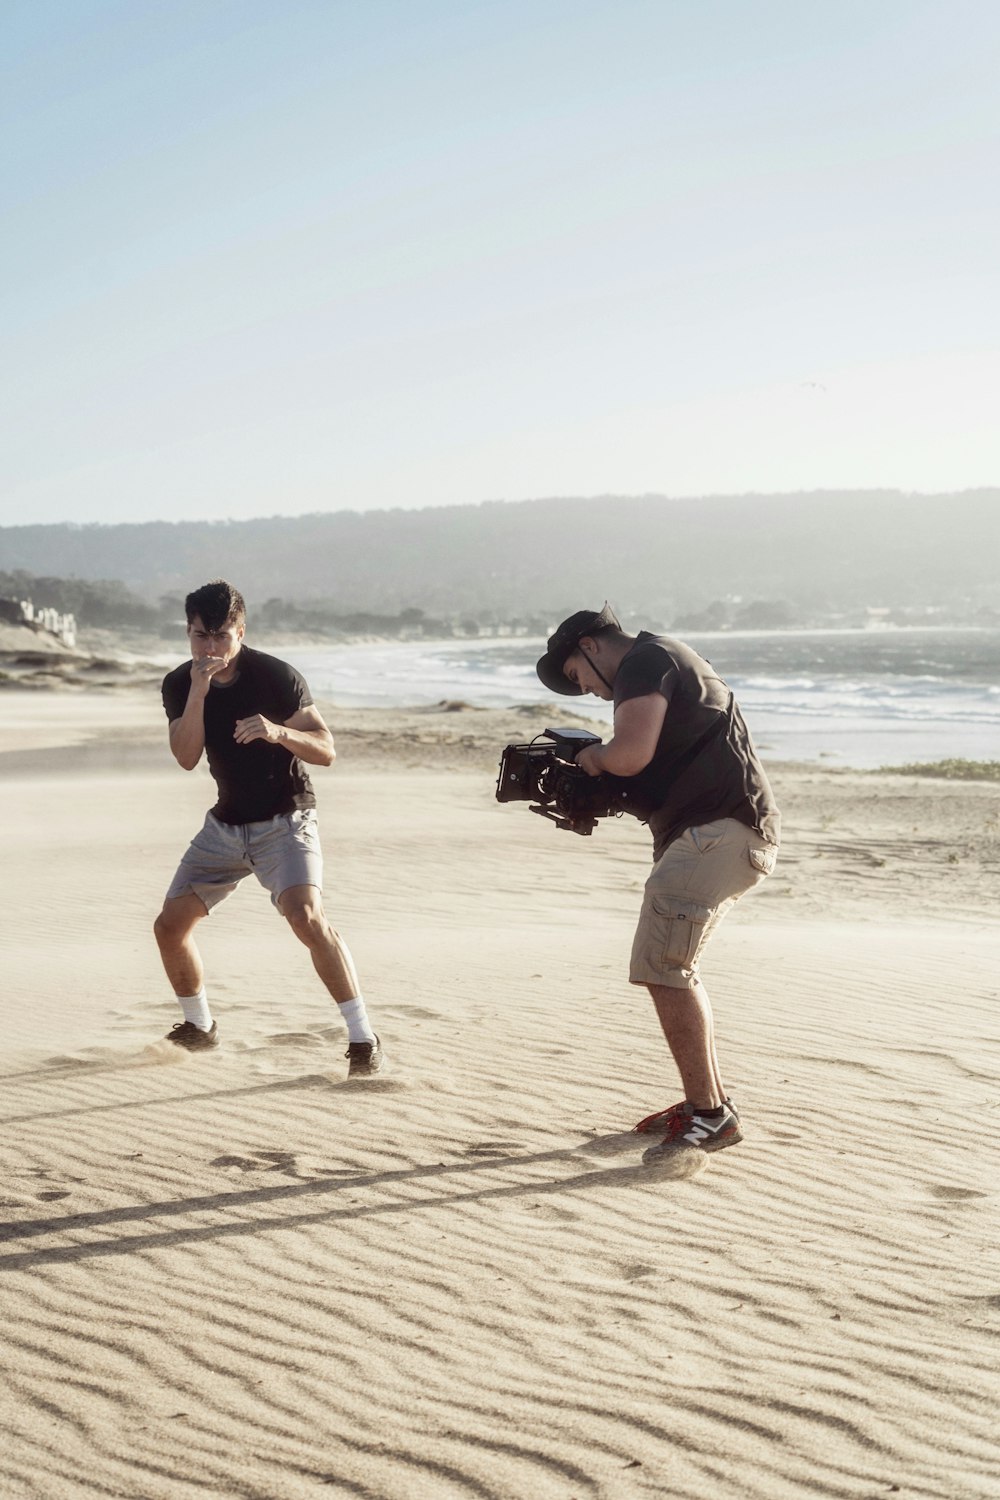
(587, 643)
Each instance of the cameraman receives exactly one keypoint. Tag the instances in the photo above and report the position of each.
(680, 739)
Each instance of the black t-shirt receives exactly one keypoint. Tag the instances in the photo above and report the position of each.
(705, 766)
(255, 781)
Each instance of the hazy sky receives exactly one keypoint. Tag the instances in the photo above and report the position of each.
(266, 258)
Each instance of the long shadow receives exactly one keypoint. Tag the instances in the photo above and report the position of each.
(125, 1061)
(85, 1067)
(75, 1068)
(308, 1080)
(55, 1224)
(22, 1260)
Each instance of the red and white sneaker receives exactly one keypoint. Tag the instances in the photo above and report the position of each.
(688, 1131)
(663, 1118)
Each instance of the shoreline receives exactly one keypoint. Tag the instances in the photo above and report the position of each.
(802, 711)
(135, 686)
(875, 843)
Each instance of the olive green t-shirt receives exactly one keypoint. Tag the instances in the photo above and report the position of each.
(705, 765)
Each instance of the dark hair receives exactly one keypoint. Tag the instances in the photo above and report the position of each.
(217, 603)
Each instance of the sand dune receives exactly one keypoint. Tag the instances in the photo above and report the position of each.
(242, 1275)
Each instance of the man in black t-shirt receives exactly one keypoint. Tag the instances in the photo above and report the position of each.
(254, 718)
(681, 741)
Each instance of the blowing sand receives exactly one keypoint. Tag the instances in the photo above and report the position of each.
(240, 1275)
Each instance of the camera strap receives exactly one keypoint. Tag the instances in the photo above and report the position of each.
(596, 668)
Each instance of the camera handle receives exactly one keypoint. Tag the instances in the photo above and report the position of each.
(585, 825)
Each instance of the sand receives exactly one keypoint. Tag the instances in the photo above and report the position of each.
(241, 1275)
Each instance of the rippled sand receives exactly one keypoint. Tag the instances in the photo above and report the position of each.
(242, 1275)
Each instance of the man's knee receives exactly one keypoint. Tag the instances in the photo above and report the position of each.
(177, 918)
(308, 921)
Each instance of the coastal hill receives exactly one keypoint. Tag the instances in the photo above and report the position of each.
(821, 551)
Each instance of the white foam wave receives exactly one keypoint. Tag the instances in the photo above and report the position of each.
(862, 717)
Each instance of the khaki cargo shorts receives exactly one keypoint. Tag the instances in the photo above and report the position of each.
(693, 884)
(281, 852)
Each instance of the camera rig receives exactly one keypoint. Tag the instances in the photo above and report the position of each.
(547, 776)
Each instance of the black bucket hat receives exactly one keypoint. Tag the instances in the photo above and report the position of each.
(564, 641)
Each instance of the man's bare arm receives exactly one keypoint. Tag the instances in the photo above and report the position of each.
(187, 737)
(187, 734)
(630, 749)
(305, 734)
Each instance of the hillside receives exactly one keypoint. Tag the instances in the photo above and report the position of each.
(822, 551)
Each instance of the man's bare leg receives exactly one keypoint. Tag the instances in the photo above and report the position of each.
(302, 908)
(174, 930)
(716, 1070)
(686, 1019)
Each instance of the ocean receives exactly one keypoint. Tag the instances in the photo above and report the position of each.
(859, 698)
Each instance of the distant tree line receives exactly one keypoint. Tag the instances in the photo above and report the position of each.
(109, 604)
(322, 617)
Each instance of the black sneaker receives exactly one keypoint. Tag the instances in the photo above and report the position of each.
(688, 1130)
(663, 1118)
(364, 1059)
(191, 1037)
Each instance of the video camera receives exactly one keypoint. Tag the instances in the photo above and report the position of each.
(547, 775)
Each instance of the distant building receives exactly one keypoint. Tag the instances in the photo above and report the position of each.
(23, 612)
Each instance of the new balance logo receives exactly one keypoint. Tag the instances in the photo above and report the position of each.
(701, 1129)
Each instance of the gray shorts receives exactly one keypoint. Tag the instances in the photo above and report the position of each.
(281, 852)
(693, 884)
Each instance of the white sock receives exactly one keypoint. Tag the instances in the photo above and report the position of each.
(356, 1018)
(195, 1008)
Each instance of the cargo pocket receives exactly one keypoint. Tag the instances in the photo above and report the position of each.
(678, 929)
(764, 860)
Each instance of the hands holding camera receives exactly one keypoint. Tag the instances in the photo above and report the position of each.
(589, 759)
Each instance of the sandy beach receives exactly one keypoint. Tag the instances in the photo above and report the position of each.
(241, 1276)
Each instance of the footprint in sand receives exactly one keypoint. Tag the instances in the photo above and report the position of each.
(939, 1193)
(262, 1161)
(48, 1195)
(635, 1270)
